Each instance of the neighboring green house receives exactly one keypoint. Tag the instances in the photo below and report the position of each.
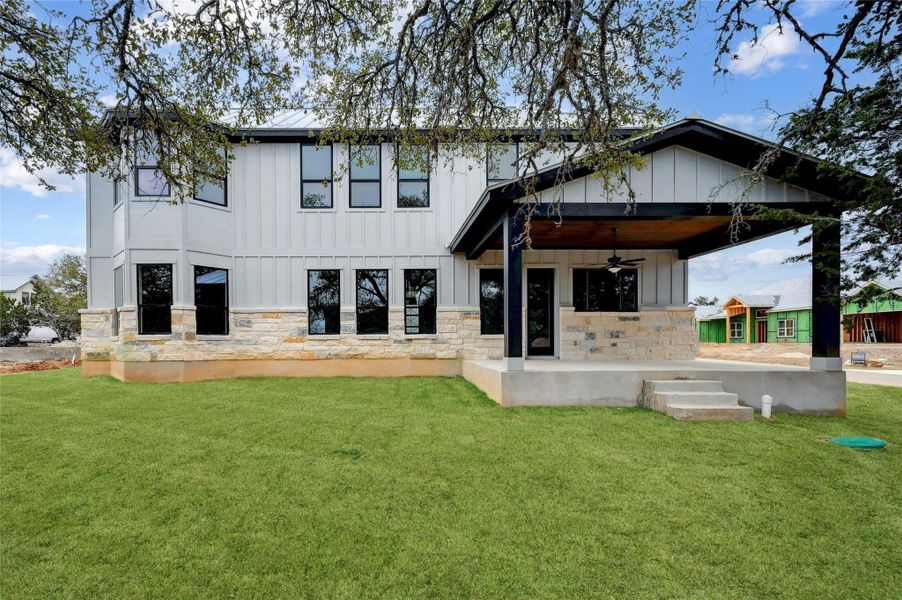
(756, 318)
(783, 319)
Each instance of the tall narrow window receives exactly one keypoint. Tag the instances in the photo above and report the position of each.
(211, 299)
(600, 290)
(419, 301)
(372, 301)
(154, 299)
(491, 301)
(413, 177)
(323, 302)
(118, 297)
(149, 178)
(316, 176)
(212, 189)
(501, 162)
(365, 176)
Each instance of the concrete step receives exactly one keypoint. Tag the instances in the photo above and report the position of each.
(695, 398)
(690, 412)
(685, 385)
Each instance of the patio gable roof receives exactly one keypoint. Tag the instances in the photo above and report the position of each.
(693, 226)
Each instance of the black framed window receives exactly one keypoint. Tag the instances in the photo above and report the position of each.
(316, 176)
(600, 290)
(118, 297)
(413, 177)
(491, 301)
(419, 301)
(372, 301)
(366, 180)
(323, 302)
(212, 189)
(501, 162)
(154, 299)
(149, 178)
(211, 299)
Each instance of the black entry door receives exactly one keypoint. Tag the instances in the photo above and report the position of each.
(540, 312)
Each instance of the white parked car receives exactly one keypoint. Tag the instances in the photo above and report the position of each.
(41, 335)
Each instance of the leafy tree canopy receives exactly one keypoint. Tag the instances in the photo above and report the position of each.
(186, 74)
(60, 295)
(14, 317)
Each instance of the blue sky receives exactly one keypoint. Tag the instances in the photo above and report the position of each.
(37, 226)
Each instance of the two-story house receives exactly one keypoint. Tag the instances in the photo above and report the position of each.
(305, 263)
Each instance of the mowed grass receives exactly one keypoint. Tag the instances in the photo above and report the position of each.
(423, 487)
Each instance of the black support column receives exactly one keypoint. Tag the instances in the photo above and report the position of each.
(825, 299)
(513, 292)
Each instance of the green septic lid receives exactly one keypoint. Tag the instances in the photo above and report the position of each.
(860, 442)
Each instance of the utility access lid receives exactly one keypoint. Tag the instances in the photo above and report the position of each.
(859, 442)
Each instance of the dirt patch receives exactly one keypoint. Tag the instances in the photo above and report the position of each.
(890, 355)
(39, 365)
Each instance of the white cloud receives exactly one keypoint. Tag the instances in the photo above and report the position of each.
(766, 55)
(810, 8)
(767, 257)
(13, 175)
(41, 217)
(748, 122)
(789, 286)
(720, 266)
(32, 259)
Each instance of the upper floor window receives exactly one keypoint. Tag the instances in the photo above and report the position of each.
(372, 301)
(366, 183)
(419, 301)
(491, 301)
(211, 299)
(501, 162)
(149, 178)
(323, 302)
(212, 189)
(413, 177)
(600, 290)
(154, 299)
(316, 176)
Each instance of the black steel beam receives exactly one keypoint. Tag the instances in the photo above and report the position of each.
(513, 286)
(825, 290)
(490, 236)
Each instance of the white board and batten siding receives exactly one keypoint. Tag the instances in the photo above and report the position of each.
(678, 174)
(268, 242)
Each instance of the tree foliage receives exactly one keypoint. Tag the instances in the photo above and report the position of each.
(60, 295)
(705, 301)
(192, 77)
(14, 317)
(853, 123)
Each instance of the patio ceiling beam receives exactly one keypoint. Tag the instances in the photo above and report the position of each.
(491, 236)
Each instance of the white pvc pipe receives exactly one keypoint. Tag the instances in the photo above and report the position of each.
(766, 402)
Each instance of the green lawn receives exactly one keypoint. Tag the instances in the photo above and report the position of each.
(410, 487)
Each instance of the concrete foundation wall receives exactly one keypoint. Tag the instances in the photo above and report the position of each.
(619, 384)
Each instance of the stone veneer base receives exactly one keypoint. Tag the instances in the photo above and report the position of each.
(200, 370)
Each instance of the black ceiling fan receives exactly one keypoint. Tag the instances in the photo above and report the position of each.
(615, 263)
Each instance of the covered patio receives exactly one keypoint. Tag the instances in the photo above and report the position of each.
(673, 212)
